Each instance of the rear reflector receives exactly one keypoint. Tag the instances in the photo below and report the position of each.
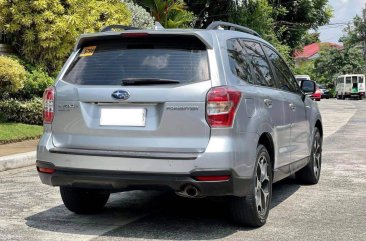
(222, 103)
(46, 170)
(211, 178)
(48, 105)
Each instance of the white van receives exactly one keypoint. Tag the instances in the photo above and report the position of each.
(350, 86)
(302, 77)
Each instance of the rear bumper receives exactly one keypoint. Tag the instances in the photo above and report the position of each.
(115, 181)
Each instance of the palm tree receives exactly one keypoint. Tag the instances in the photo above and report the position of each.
(170, 13)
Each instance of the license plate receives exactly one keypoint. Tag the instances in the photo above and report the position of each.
(122, 117)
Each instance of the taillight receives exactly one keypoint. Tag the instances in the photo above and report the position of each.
(48, 105)
(222, 103)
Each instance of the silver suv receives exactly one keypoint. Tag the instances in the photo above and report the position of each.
(213, 112)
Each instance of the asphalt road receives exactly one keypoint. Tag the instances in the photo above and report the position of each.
(335, 209)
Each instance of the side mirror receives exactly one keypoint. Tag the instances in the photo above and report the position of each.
(308, 86)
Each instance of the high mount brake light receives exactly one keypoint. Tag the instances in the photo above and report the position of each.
(48, 105)
(134, 35)
(222, 104)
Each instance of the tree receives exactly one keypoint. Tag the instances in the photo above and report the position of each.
(207, 11)
(170, 13)
(334, 61)
(310, 38)
(295, 18)
(356, 34)
(257, 15)
(44, 31)
(140, 17)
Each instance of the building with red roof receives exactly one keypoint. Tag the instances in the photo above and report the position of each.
(311, 51)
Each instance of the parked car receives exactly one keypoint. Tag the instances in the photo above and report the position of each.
(325, 93)
(200, 112)
(317, 95)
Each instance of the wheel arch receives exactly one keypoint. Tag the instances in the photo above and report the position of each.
(267, 140)
(318, 124)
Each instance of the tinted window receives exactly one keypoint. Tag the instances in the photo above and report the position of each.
(261, 69)
(348, 80)
(360, 80)
(285, 78)
(184, 59)
(238, 62)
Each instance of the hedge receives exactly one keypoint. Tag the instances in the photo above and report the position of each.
(27, 112)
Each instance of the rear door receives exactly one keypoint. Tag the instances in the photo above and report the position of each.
(139, 94)
(300, 130)
(274, 105)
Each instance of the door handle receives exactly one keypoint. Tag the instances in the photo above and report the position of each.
(268, 103)
(292, 106)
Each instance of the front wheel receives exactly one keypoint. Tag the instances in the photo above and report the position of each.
(310, 174)
(83, 201)
(253, 209)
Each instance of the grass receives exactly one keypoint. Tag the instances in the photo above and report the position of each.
(14, 132)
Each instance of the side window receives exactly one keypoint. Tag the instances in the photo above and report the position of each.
(238, 63)
(286, 80)
(348, 80)
(257, 58)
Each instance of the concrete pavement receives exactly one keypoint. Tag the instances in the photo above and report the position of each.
(335, 209)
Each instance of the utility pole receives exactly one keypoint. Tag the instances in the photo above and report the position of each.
(364, 32)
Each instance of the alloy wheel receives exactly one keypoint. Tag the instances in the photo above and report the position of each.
(262, 187)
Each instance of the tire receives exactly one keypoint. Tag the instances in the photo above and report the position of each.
(83, 201)
(310, 174)
(249, 211)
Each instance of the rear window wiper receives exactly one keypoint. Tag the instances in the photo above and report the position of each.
(148, 81)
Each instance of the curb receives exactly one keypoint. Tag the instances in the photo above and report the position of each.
(17, 161)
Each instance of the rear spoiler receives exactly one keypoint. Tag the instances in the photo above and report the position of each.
(204, 36)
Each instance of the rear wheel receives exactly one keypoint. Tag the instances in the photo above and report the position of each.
(310, 174)
(253, 209)
(83, 201)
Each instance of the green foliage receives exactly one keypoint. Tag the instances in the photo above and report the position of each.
(306, 68)
(257, 15)
(294, 18)
(140, 17)
(27, 112)
(356, 33)
(333, 62)
(35, 84)
(44, 31)
(310, 38)
(207, 11)
(170, 13)
(12, 75)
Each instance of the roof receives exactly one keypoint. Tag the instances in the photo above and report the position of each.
(313, 49)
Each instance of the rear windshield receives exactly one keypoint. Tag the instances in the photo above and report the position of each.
(108, 62)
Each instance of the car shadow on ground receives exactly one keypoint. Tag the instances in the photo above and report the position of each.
(154, 215)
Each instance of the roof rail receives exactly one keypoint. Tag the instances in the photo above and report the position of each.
(116, 26)
(231, 26)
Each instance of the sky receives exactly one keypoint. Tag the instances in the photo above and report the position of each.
(344, 11)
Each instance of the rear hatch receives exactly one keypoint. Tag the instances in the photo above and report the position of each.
(139, 93)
